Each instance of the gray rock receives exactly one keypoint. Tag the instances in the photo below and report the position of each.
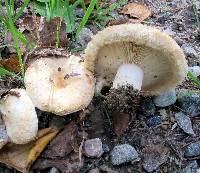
(147, 107)
(154, 121)
(188, 50)
(195, 70)
(93, 148)
(193, 149)
(123, 153)
(191, 167)
(84, 37)
(190, 103)
(54, 170)
(3, 136)
(166, 99)
(154, 156)
(184, 122)
(106, 148)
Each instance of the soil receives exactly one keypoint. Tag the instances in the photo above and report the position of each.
(176, 18)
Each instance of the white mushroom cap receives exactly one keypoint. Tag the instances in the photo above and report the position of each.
(19, 116)
(158, 55)
(58, 82)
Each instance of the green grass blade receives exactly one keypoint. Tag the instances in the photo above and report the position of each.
(86, 16)
(4, 72)
(194, 79)
(24, 5)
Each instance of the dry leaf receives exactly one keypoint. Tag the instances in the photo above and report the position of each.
(11, 63)
(62, 152)
(64, 142)
(21, 157)
(38, 30)
(120, 122)
(138, 12)
(69, 164)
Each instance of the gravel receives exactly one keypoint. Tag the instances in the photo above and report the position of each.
(193, 149)
(123, 153)
(184, 122)
(147, 107)
(154, 121)
(93, 148)
(166, 99)
(195, 70)
(190, 103)
(191, 167)
(189, 50)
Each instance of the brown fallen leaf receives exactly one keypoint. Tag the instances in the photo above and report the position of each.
(62, 152)
(67, 164)
(137, 11)
(11, 63)
(21, 157)
(120, 122)
(63, 143)
(38, 30)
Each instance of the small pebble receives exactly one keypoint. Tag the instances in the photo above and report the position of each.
(3, 136)
(193, 149)
(106, 148)
(154, 121)
(195, 70)
(154, 157)
(166, 99)
(123, 153)
(147, 107)
(190, 103)
(189, 50)
(54, 170)
(191, 167)
(93, 148)
(84, 37)
(184, 122)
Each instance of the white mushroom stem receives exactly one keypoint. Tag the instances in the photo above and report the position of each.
(128, 74)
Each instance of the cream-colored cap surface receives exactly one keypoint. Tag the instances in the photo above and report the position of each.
(19, 116)
(158, 55)
(60, 85)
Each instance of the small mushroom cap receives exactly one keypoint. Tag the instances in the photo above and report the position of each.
(19, 116)
(158, 55)
(59, 84)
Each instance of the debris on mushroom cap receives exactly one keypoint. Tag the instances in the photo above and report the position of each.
(58, 82)
(158, 55)
(19, 115)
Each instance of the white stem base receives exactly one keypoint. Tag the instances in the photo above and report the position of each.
(128, 74)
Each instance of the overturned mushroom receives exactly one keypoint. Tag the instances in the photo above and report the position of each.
(135, 55)
(19, 115)
(58, 82)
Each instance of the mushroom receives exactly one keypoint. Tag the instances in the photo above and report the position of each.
(135, 55)
(19, 116)
(57, 81)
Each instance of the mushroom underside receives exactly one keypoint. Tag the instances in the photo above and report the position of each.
(157, 66)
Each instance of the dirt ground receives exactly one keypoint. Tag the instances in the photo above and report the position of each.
(176, 18)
